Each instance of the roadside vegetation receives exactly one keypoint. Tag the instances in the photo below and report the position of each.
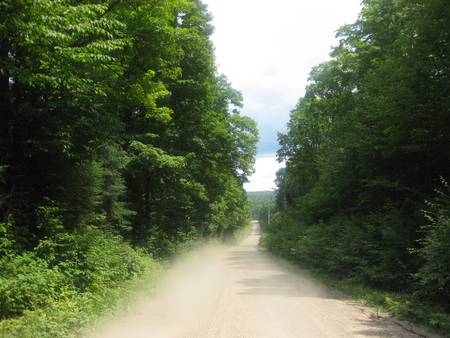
(262, 203)
(364, 196)
(403, 306)
(70, 282)
(120, 147)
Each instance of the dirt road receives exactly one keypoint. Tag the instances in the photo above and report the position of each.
(241, 293)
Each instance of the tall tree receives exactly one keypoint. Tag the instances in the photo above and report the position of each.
(367, 144)
(55, 69)
(113, 111)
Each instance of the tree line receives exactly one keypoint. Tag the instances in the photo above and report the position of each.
(363, 195)
(113, 113)
(260, 203)
(115, 127)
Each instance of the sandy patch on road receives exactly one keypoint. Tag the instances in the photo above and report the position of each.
(241, 292)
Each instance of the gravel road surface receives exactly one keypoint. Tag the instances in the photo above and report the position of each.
(242, 293)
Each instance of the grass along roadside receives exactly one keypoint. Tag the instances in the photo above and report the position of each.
(72, 315)
(74, 283)
(404, 307)
(69, 282)
(180, 264)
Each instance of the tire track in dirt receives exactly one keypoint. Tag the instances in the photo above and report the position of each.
(242, 293)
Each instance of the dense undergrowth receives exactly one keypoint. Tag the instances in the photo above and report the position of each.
(117, 152)
(362, 196)
(374, 258)
(401, 305)
(72, 282)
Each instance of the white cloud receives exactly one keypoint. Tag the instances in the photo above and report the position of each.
(266, 45)
(264, 177)
(267, 49)
(253, 104)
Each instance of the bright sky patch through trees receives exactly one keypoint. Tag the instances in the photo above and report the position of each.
(267, 51)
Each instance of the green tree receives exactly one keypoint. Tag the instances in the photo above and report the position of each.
(113, 111)
(366, 145)
(55, 70)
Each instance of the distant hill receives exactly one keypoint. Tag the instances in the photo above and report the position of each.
(258, 198)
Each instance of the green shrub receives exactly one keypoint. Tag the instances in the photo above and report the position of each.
(92, 258)
(70, 281)
(6, 239)
(26, 283)
(370, 249)
(433, 277)
(283, 235)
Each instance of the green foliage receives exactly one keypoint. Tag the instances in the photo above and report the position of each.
(365, 146)
(265, 213)
(115, 129)
(68, 282)
(371, 250)
(258, 200)
(434, 275)
(113, 205)
(245, 133)
(50, 219)
(28, 283)
(6, 237)
(166, 246)
(112, 125)
(357, 137)
(93, 259)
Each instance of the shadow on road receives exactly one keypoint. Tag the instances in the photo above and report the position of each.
(285, 285)
(250, 260)
(268, 277)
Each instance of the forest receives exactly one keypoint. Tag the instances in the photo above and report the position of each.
(120, 146)
(364, 195)
(260, 204)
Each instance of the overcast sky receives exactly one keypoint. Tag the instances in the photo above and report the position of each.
(267, 49)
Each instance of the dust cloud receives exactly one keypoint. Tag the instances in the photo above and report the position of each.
(240, 292)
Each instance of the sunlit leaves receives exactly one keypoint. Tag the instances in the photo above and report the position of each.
(83, 76)
(245, 134)
(149, 157)
(57, 37)
(366, 145)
